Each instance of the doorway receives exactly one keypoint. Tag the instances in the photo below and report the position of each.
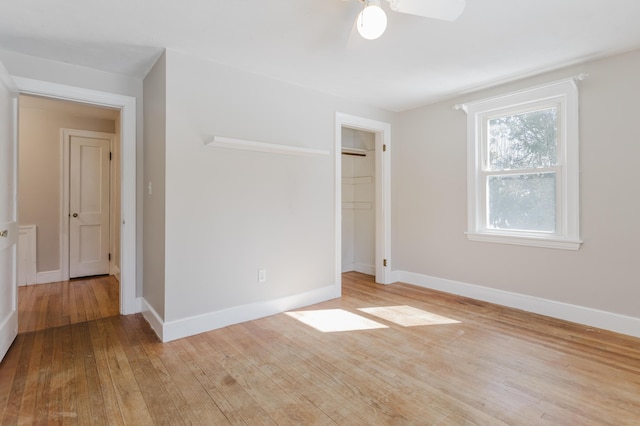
(126, 176)
(60, 170)
(358, 201)
(367, 196)
(90, 194)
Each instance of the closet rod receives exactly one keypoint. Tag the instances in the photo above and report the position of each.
(354, 151)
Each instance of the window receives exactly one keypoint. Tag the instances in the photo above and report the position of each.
(523, 167)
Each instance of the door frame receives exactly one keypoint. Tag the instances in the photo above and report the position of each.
(382, 133)
(65, 164)
(129, 303)
(9, 325)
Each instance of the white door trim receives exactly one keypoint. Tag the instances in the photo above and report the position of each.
(382, 131)
(9, 153)
(127, 106)
(65, 135)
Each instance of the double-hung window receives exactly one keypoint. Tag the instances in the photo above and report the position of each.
(523, 167)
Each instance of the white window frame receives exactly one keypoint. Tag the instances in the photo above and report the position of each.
(562, 94)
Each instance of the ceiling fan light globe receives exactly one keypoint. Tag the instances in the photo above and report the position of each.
(372, 22)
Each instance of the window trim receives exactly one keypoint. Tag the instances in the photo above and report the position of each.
(562, 93)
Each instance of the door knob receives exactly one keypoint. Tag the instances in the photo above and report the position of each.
(4, 233)
(75, 215)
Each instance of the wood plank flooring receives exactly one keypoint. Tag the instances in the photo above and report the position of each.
(67, 302)
(469, 362)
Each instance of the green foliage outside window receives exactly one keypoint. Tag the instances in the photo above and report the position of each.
(524, 142)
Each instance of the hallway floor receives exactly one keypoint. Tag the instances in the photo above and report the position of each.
(51, 305)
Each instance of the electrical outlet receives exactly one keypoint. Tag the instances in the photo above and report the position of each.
(262, 275)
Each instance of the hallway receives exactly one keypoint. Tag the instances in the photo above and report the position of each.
(52, 305)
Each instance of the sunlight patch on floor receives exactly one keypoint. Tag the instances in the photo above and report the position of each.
(408, 316)
(331, 320)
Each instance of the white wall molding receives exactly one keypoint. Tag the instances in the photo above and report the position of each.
(364, 268)
(152, 317)
(115, 271)
(396, 276)
(568, 312)
(46, 277)
(245, 145)
(347, 267)
(172, 330)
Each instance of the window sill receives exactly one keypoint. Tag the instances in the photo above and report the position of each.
(521, 240)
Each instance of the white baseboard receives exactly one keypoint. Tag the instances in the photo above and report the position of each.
(56, 276)
(359, 267)
(347, 267)
(364, 268)
(152, 318)
(573, 313)
(172, 330)
(49, 277)
(115, 271)
(8, 331)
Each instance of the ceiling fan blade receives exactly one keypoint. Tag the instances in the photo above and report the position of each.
(446, 10)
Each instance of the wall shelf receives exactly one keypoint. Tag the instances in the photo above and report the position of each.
(245, 145)
(357, 180)
(360, 205)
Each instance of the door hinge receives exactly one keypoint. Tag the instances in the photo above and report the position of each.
(109, 256)
(109, 156)
(384, 147)
(384, 262)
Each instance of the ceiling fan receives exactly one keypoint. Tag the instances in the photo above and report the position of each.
(372, 21)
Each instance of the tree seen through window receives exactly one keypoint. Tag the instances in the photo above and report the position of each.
(522, 151)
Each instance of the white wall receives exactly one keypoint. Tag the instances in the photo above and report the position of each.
(154, 175)
(429, 207)
(230, 213)
(358, 196)
(39, 171)
(26, 66)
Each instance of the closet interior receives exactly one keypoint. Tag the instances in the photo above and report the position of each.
(358, 201)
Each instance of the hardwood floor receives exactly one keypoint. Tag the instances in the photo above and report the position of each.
(421, 358)
(67, 302)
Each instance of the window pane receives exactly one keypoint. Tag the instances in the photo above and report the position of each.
(524, 202)
(523, 141)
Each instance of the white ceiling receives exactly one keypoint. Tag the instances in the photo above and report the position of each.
(307, 42)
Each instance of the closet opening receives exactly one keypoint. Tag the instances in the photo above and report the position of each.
(358, 201)
(363, 194)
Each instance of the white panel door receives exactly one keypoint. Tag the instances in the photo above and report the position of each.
(8, 225)
(88, 206)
